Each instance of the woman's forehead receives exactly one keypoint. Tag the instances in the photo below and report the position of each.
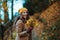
(25, 11)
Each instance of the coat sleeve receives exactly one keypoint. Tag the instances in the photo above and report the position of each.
(19, 27)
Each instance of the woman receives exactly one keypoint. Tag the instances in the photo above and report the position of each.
(24, 33)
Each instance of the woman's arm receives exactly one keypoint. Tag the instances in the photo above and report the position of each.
(19, 28)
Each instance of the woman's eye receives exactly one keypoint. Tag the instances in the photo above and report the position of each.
(23, 13)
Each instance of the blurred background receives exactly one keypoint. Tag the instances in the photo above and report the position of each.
(9, 10)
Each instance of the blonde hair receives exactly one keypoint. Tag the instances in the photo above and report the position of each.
(22, 10)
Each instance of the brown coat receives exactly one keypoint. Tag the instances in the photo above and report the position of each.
(19, 29)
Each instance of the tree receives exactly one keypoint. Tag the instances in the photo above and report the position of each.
(4, 5)
(36, 5)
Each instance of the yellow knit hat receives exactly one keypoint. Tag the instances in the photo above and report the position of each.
(22, 10)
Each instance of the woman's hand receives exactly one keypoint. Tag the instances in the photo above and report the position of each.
(29, 29)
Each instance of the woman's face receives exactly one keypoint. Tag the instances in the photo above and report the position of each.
(25, 13)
